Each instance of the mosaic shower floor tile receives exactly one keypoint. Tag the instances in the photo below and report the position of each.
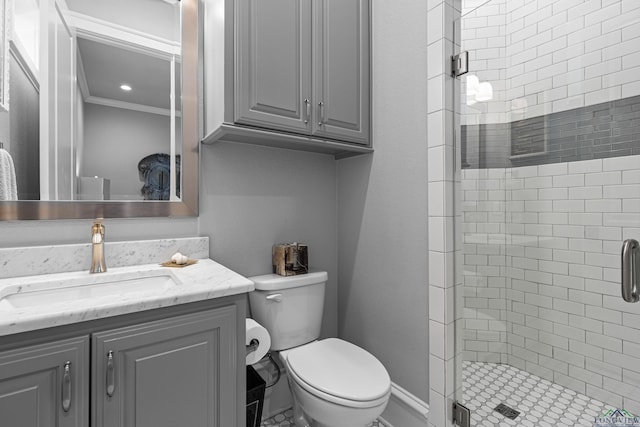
(540, 403)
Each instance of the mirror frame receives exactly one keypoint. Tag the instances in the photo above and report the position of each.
(5, 30)
(188, 205)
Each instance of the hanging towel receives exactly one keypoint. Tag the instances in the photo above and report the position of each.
(8, 186)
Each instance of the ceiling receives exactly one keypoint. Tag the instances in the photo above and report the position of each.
(108, 63)
(107, 67)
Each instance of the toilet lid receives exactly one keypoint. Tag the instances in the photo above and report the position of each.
(340, 369)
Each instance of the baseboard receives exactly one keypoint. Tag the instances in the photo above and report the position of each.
(404, 409)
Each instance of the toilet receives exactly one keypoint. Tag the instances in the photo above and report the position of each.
(334, 383)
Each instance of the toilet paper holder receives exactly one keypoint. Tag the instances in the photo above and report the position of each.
(252, 346)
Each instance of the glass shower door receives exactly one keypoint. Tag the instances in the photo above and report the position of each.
(549, 142)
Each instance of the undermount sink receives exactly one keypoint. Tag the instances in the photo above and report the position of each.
(43, 292)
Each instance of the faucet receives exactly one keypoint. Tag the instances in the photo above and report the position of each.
(97, 242)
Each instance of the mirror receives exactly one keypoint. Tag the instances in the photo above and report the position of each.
(101, 122)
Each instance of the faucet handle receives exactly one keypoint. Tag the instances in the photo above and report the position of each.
(97, 230)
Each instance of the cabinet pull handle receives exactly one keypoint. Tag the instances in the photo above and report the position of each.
(321, 113)
(111, 374)
(66, 387)
(630, 270)
(307, 105)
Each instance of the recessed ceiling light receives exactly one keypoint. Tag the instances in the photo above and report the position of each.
(125, 88)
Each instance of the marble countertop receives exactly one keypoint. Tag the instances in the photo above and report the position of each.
(201, 281)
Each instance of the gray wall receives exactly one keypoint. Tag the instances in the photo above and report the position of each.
(382, 206)
(370, 212)
(253, 197)
(37, 233)
(115, 140)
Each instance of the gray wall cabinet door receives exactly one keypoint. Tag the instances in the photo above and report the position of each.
(45, 385)
(273, 69)
(341, 68)
(177, 372)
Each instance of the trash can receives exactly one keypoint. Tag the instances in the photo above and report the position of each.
(255, 397)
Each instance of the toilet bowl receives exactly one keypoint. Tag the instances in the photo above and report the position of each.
(337, 383)
(334, 383)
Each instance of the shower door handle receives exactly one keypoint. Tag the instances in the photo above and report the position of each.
(630, 270)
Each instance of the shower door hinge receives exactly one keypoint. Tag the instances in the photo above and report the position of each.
(461, 415)
(460, 64)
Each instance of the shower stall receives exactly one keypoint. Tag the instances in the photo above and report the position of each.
(547, 189)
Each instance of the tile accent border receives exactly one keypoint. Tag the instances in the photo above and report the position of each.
(608, 129)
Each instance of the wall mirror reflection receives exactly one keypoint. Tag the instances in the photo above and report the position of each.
(95, 98)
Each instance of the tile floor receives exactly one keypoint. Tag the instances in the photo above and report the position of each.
(541, 403)
(284, 420)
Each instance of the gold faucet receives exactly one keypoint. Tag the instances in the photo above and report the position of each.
(97, 242)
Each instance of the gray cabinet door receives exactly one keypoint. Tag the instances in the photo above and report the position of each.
(341, 68)
(45, 385)
(179, 372)
(273, 68)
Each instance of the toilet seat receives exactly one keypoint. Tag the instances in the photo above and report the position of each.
(336, 400)
(339, 372)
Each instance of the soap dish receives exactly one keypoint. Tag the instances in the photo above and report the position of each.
(176, 265)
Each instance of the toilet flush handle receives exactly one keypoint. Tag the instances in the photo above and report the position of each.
(275, 297)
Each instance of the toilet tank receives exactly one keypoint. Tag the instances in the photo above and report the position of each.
(290, 308)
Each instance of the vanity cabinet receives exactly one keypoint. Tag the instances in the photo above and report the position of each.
(45, 385)
(296, 74)
(175, 366)
(174, 372)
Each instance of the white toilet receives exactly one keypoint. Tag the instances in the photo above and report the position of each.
(333, 382)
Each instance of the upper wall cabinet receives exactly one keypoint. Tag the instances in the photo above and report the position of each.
(289, 73)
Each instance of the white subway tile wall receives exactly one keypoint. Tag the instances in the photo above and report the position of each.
(548, 56)
(542, 276)
(442, 162)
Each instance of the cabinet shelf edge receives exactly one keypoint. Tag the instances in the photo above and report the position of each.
(247, 135)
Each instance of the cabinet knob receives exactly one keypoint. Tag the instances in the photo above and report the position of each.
(66, 387)
(111, 374)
